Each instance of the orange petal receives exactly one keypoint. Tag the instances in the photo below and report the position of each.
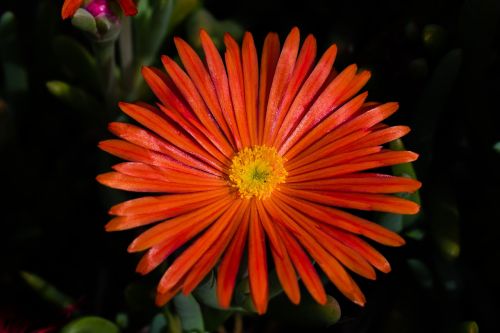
(380, 137)
(304, 267)
(308, 91)
(180, 228)
(164, 298)
(362, 201)
(372, 161)
(212, 256)
(327, 102)
(332, 268)
(318, 132)
(169, 132)
(257, 264)
(269, 60)
(219, 78)
(142, 170)
(203, 137)
(333, 160)
(146, 139)
(309, 156)
(230, 263)
(303, 65)
(284, 71)
(360, 246)
(201, 79)
(135, 184)
(237, 87)
(250, 65)
(193, 253)
(363, 183)
(185, 85)
(344, 220)
(147, 205)
(286, 275)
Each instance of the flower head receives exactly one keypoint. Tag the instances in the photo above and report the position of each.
(258, 159)
(97, 7)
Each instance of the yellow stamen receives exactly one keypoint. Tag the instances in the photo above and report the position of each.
(256, 171)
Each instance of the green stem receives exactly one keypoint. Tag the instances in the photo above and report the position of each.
(104, 51)
(126, 53)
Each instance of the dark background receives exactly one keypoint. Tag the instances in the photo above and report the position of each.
(439, 59)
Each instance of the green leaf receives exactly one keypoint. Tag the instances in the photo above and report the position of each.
(77, 62)
(76, 98)
(189, 312)
(496, 147)
(46, 290)
(90, 324)
(7, 29)
(158, 324)
(468, 327)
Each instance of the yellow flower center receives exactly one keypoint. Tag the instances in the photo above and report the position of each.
(256, 171)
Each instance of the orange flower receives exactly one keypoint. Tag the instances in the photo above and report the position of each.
(263, 160)
(71, 6)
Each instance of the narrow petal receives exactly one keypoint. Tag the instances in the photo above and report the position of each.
(284, 71)
(363, 248)
(146, 139)
(286, 275)
(362, 201)
(212, 256)
(303, 65)
(308, 91)
(237, 88)
(250, 65)
(363, 183)
(269, 60)
(332, 268)
(269, 228)
(334, 160)
(327, 102)
(134, 153)
(230, 263)
(323, 128)
(169, 132)
(372, 161)
(142, 170)
(203, 137)
(344, 220)
(181, 228)
(192, 254)
(219, 78)
(257, 264)
(304, 267)
(201, 79)
(135, 184)
(380, 137)
(164, 298)
(147, 205)
(185, 85)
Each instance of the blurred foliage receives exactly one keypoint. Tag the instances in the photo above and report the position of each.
(59, 88)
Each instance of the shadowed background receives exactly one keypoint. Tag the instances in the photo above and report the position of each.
(439, 59)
